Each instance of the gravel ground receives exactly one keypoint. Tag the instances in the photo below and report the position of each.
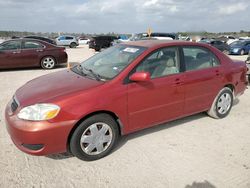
(193, 152)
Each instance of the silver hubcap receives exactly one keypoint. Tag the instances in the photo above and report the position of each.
(224, 103)
(96, 138)
(48, 62)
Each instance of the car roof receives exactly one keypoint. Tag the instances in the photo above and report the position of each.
(29, 39)
(155, 43)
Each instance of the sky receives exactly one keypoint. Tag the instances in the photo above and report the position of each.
(124, 16)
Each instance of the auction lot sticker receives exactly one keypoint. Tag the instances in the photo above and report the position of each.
(131, 50)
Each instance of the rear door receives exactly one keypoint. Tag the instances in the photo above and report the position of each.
(203, 78)
(10, 54)
(31, 52)
(160, 99)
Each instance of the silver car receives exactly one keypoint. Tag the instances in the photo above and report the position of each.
(70, 41)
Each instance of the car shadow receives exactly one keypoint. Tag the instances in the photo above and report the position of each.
(60, 66)
(204, 184)
(33, 68)
(123, 140)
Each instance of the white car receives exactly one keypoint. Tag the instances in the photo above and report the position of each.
(83, 41)
(67, 41)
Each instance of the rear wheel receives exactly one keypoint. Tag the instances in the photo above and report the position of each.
(222, 104)
(94, 138)
(48, 62)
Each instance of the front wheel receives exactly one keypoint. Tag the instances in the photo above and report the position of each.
(48, 62)
(222, 104)
(94, 138)
(242, 52)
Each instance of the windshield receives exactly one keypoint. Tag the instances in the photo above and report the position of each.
(110, 62)
(238, 43)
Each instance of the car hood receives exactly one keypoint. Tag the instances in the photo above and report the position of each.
(45, 88)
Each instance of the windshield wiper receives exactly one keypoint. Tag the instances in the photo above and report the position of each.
(97, 76)
(80, 68)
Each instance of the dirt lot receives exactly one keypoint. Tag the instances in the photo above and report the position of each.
(193, 152)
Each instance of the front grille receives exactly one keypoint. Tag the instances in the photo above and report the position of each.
(14, 105)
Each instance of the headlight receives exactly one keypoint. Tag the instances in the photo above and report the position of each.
(236, 49)
(39, 112)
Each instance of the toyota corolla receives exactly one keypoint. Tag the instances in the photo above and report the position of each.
(126, 88)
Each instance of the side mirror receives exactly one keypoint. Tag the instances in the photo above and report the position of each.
(140, 77)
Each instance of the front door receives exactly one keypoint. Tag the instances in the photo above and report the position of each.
(160, 99)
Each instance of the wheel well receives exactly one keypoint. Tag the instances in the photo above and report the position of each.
(230, 86)
(47, 56)
(113, 115)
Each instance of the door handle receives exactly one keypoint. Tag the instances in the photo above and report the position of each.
(218, 73)
(178, 81)
(16, 52)
(39, 50)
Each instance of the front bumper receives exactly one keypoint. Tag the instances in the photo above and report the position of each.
(37, 137)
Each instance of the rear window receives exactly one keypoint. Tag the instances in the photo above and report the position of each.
(32, 45)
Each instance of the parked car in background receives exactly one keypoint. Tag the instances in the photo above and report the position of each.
(228, 39)
(240, 47)
(220, 45)
(70, 41)
(248, 66)
(159, 36)
(164, 36)
(103, 41)
(42, 38)
(248, 58)
(83, 40)
(123, 38)
(126, 88)
(26, 52)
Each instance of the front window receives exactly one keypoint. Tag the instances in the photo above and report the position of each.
(161, 63)
(237, 43)
(112, 61)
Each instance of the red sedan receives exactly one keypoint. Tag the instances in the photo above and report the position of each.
(123, 89)
(30, 53)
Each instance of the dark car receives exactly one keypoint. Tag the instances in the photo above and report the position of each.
(220, 45)
(30, 53)
(240, 47)
(41, 38)
(126, 88)
(248, 66)
(100, 42)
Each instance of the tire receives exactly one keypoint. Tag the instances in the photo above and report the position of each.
(97, 49)
(73, 45)
(48, 62)
(242, 52)
(222, 104)
(94, 138)
(226, 52)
